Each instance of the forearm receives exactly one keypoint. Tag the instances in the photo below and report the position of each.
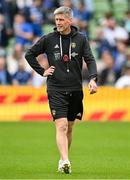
(90, 61)
(92, 69)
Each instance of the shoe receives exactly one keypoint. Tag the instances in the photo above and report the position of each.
(66, 167)
(60, 166)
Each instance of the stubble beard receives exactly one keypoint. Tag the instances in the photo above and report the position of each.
(63, 30)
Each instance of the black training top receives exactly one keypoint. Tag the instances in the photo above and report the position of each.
(66, 53)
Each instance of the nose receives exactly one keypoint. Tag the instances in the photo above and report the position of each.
(58, 22)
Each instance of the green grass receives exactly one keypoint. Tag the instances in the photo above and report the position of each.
(99, 151)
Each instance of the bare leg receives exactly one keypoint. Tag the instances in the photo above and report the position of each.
(61, 137)
(69, 132)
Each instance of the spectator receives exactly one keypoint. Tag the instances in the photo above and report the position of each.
(127, 24)
(114, 32)
(36, 16)
(89, 5)
(22, 3)
(82, 17)
(104, 21)
(68, 3)
(119, 58)
(23, 31)
(124, 80)
(3, 33)
(14, 57)
(9, 9)
(5, 77)
(107, 75)
(37, 80)
(21, 76)
(101, 43)
(49, 6)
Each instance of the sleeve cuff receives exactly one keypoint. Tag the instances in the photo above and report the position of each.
(94, 77)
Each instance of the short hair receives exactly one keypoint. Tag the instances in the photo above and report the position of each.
(64, 10)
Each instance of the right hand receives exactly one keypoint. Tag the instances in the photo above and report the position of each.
(49, 71)
(92, 86)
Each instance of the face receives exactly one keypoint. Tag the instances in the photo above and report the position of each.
(111, 23)
(2, 63)
(1, 19)
(121, 47)
(21, 65)
(63, 23)
(19, 19)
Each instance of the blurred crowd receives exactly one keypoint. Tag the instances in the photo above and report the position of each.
(23, 22)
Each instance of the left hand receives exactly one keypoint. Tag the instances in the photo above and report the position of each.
(92, 86)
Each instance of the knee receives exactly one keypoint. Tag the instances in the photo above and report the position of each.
(63, 127)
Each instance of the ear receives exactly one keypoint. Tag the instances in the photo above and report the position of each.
(70, 21)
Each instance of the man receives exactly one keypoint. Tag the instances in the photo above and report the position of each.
(124, 80)
(65, 49)
(5, 76)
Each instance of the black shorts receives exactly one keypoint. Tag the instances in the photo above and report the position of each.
(66, 104)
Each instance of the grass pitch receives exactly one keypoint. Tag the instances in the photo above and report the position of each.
(99, 151)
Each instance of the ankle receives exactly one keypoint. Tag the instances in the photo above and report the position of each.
(66, 161)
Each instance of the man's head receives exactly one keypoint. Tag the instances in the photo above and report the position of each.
(63, 19)
(19, 18)
(2, 63)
